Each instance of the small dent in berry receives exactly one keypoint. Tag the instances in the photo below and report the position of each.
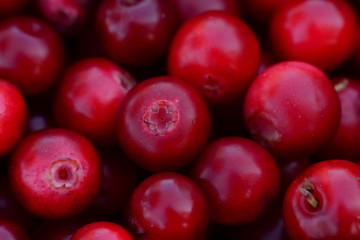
(64, 173)
(212, 87)
(161, 117)
(263, 129)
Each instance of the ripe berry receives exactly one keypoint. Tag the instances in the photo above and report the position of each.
(12, 116)
(55, 173)
(217, 53)
(292, 109)
(168, 205)
(32, 53)
(163, 124)
(88, 98)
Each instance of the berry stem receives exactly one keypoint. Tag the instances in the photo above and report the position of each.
(307, 190)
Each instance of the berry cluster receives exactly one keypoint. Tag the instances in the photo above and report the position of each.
(179, 119)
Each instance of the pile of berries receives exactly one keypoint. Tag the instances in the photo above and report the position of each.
(179, 119)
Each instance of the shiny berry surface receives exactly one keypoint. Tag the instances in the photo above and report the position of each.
(13, 113)
(217, 53)
(252, 172)
(292, 109)
(55, 173)
(315, 31)
(168, 205)
(163, 124)
(88, 98)
(32, 69)
(314, 208)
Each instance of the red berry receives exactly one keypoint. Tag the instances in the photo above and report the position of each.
(324, 202)
(102, 230)
(88, 98)
(135, 32)
(292, 109)
(32, 53)
(345, 143)
(319, 32)
(163, 124)
(239, 178)
(217, 53)
(167, 206)
(12, 116)
(55, 173)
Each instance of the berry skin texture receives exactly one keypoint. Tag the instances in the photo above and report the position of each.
(217, 53)
(32, 69)
(315, 31)
(324, 202)
(163, 124)
(12, 116)
(55, 173)
(102, 230)
(239, 179)
(292, 109)
(88, 98)
(168, 205)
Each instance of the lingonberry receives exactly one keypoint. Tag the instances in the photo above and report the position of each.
(102, 230)
(345, 143)
(292, 109)
(217, 53)
(168, 205)
(324, 202)
(252, 172)
(315, 31)
(55, 173)
(136, 32)
(88, 98)
(32, 53)
(163, 123)
(12, 116)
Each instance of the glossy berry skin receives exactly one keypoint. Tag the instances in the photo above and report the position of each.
(292, 109)
(217, 53)
(102, 230)
(345, 143)
(32, 69)
(168, 205)
(66, 16)
(55, 173)
(88, 98)
(334, 186)
(135, 33)
(10, 230)
(163, 124)
(187, 9)
(239, 178)
(12, 116)
(315, 32)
